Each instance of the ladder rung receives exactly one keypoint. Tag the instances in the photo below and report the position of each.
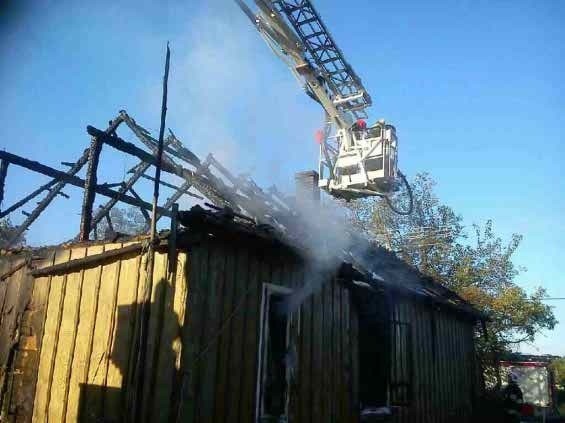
(331, 59)
(314, 34)
(330, 47)
(292, 9)
(306, 21)
(337, 72)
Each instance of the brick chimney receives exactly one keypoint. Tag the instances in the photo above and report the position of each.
(307, 190)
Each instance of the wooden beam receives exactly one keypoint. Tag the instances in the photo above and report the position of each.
(74, 180)
(138, 171)
(104, 210)
(27, 198)
(55, 190)
(3, 172)
(163, 183)
(89, 187)
(129, 148)
(88, 261)
(143, 211)
(143, 384)
(52, 192)
(178, 194)
(213, 188)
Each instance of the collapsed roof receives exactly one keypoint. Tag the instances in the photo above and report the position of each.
(238, 204)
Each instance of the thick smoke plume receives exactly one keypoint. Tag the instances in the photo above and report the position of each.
(327, 240)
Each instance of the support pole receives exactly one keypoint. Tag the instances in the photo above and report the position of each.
(138, 171)
(89, 186)
(91, 180)
(144, 389)
(3, 172)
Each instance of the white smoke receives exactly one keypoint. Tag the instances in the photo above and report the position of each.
(230, 96)
(325, 234)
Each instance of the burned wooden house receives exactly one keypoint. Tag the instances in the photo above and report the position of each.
(217, 348)
(236, 323)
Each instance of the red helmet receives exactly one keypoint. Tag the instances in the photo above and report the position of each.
(361, 124)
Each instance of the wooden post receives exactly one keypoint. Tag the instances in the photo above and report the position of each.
(3, 172)
(91, 181)
(126, 186)
(160, 147)
(141, 407)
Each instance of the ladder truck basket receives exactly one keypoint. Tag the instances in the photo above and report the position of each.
(366, 165)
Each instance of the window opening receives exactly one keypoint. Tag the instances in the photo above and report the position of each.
(274, 356)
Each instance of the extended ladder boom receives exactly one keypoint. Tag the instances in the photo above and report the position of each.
(356, 161)
(294, 30)
(349, 93)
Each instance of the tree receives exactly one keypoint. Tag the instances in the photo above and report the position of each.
(7, 232)
(478, 267)
(425, 238)
(128, 221)
(558, 367)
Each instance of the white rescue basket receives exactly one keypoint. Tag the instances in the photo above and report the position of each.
(366, 163)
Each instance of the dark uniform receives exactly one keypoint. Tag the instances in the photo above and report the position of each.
(513, 399)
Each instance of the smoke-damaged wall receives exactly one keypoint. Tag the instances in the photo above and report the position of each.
(76, 346)
(72, 342)
(441, 363)
(221, 379)
(18, 346)
(203, 338)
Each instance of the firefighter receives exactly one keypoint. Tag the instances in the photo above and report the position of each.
(359, 128)
(513, 399)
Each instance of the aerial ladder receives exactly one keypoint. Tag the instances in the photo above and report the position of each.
(356, 160)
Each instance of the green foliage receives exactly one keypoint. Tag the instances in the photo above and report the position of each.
(558, 367)
(478, 266)
(7, 232)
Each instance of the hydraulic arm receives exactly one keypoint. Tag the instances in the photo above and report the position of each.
(355, 160)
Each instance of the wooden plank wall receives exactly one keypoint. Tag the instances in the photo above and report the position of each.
(443, 365)
(203, 339)
(203, 342)
(17, 348)
(221, 339)
(87, 340)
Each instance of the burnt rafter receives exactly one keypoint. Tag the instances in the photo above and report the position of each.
(92, 180)
(72, 180)
(206, 180)
(61, 177)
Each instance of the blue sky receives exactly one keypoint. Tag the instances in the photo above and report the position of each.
(475, 89)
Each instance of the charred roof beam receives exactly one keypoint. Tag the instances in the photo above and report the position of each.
(73, 180)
